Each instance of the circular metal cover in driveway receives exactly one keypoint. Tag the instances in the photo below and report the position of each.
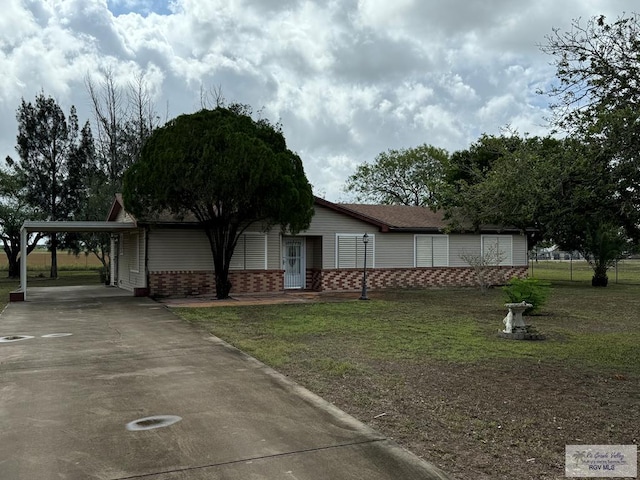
(14, 338)
(156, 421)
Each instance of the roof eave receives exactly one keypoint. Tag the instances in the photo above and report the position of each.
(359, 216)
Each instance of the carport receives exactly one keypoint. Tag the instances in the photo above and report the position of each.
(31, 226)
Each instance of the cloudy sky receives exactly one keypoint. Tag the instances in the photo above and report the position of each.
(347, 79)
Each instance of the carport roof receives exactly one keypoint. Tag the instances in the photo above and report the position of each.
(62, 226)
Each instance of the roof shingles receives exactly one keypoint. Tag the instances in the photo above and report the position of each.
(400, 217)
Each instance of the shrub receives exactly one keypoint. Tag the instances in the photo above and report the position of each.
(527, 290)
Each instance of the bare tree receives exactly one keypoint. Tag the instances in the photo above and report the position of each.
(484, 264)
(212, 98)
(124, 117)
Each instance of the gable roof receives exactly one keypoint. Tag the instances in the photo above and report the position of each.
(116, 207)
(387, 218)
(162, 218)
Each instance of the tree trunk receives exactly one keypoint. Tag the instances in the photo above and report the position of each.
(54, 256)
(600, 278)
(222, 244)
(12, 259)
(14, 265)
(223, 286)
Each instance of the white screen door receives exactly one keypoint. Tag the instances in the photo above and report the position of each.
(293, 263)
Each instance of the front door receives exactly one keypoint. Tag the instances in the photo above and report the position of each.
(293, 262)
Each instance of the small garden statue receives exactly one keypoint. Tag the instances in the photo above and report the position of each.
(508, 322)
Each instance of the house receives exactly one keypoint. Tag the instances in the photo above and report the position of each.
(407, 247)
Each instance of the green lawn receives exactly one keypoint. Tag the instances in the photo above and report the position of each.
(428, 369)
(454, 325)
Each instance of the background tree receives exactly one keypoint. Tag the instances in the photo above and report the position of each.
(564, 189)
(411, 176)
(14, 210)
(226, 169)
(466, 167)
(597, 98)
(51, 166)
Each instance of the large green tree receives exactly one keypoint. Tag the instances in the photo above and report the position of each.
(54, 154)
(412, 176)
(564, 189)
(226, 169)
(14, 210)
(495, 181)
(597, 98)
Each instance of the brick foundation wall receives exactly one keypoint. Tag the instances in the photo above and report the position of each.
(380, 278)
(188, 283)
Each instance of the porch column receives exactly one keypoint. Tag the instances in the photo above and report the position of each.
(23, 262)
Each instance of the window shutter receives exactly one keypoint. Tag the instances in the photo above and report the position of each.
(249, 253)
(440, 250)
(424, 251)
(432, 251)
(254, 252)
(501, 245)
(347, 251)
(237, 260)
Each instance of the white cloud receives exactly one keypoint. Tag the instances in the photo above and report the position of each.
(348, 80)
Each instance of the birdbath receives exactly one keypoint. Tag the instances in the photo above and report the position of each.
(514, 326)
(513, 320)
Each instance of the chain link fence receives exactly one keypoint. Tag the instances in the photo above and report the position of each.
(624, 271)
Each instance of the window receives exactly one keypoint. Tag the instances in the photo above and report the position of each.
(497, 249)
(350, 250)
(431, 250)
(250, 252)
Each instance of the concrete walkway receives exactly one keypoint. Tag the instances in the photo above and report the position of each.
(65, 402)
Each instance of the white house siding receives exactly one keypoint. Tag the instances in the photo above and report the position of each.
(460, 245)
(189, 250)
(463, 245)
(394, 250)
(131, 263)
(327, 223)
(123, 216)
(178, 250)
(520, 250)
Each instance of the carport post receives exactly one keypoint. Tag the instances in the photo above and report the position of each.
(23, 262)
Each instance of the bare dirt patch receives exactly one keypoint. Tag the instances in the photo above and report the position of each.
(486, 421)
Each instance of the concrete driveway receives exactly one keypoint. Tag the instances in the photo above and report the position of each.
(66, 401)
